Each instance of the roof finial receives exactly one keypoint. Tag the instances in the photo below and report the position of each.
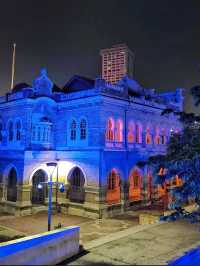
(43, 71)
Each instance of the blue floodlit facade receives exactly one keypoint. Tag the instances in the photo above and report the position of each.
(96, 132)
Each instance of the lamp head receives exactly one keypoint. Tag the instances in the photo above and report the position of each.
(51, 164)
(62, 188)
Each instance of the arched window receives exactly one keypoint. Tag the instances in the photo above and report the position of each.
(83, 129)
(18, 130)
(12, 186)
(10, 131)
(39, 194)
(42, 130)
(148, 137)
(135, 179)
(110, 130)
(112, 180)
(113, 187)
(76, 191)
(77, 178)
(73, 130)
(157, 137)
(163, 138)
(138, 133)
(149, 185)
(119, 131)
(1, 131)
(131, 132)
(135, 189)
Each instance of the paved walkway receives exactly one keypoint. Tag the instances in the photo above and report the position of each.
(153, 245)
(89, 229)
(117, 241)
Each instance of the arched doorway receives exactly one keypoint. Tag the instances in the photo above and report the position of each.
(76, 186)
(135, 186)
(12, 185)
(39, 194)
(113, 187)
(150, 190)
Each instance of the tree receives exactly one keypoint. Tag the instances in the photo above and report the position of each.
(195, 91)
(182, 159)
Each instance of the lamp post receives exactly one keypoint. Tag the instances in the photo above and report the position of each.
(50, 183)
(57, 187)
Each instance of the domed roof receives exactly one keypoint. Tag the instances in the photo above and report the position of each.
(19, 87)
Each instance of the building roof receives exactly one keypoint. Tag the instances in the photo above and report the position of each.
(78, 83)
(20, 86)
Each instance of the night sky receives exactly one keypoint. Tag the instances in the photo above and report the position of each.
(66, 36)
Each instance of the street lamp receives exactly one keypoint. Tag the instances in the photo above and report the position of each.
(50, 185)
(57, 187)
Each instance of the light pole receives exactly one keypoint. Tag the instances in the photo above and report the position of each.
(57, 187)
(50, 183)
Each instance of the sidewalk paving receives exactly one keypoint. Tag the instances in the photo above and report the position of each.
(153, 245)
(89, 229)
(116, 241)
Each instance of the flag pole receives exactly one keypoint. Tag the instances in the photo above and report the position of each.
(13, 67)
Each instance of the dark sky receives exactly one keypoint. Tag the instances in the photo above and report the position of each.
(66, 35)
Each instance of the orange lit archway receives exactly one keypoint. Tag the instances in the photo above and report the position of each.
(149, 186)
(113, 187)
(135, 186)
(163, 190)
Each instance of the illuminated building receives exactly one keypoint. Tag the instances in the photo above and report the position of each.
(94, 130)
(117, 62)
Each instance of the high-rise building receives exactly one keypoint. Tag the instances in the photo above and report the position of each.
(117, 62)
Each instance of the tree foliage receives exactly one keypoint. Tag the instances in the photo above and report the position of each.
(195, 91)
(182, 159)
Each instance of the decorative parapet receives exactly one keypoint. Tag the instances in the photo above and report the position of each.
(143, 101)
(79, 94)
(104, 86)
(43, 85)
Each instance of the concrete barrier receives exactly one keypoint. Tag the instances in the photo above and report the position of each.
(48, 248)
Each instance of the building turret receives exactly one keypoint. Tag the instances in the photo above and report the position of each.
(43, 85)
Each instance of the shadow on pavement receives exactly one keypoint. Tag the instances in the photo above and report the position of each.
(82, 252)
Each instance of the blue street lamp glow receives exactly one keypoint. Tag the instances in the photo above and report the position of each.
(40, 186)
(61, 188)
